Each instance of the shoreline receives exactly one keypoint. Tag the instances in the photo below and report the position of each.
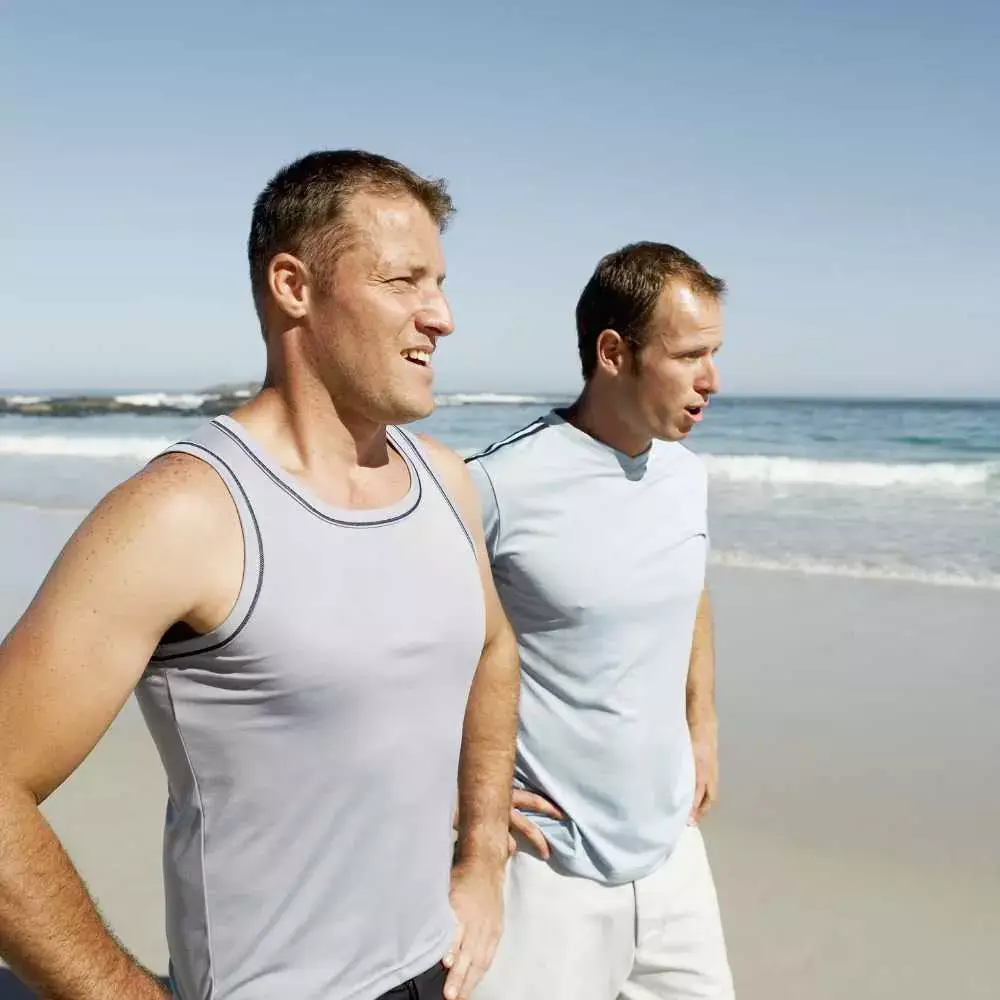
(719, 559)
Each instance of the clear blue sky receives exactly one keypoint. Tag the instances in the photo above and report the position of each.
(837, 163)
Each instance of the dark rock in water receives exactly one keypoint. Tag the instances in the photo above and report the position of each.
(208, 403)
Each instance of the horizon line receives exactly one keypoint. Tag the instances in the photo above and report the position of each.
(826, 396)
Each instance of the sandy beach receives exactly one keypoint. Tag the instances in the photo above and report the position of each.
(856, 841)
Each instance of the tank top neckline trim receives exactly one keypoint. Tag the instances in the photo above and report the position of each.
(364, 517)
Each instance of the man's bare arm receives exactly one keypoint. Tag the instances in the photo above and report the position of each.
(701, 713)
(490, 730)
(486, 767)
(66, 670)
(488, 746)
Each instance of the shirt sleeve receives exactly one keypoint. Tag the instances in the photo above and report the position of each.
(488, 504)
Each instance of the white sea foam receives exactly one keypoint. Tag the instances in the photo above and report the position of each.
(51, 445)
(814, 567)
(174, 400)
(193, 400)
(25, 400)
(40, 508)
(491, 399)
(782, 470)
(733, 468)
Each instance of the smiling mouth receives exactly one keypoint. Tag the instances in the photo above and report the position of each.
(418, 357)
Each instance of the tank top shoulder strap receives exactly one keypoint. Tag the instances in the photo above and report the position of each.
(212, 445)
(409, 443)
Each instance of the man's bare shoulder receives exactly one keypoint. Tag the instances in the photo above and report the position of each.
(441, 453)
(176, 489)
(175, 509)
(455, 477)
(447, 462)
(162, 546)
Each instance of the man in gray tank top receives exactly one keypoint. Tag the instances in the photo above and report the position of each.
(596, 526)
(299, 594)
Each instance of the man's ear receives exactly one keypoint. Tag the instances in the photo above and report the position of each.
(612, 351)
(288, 283)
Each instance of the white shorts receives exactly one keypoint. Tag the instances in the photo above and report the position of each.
(568, 938)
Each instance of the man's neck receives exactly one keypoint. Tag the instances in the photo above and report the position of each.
(307, 429)
(598, 418)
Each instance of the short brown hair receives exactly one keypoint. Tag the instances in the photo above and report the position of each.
(624, 289)
(301, 211)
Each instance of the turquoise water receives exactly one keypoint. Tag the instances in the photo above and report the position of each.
(893, 489)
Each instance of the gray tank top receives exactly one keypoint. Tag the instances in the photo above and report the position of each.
(311, 742)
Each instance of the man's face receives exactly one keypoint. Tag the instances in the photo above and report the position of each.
(676, 373)
(376, 328)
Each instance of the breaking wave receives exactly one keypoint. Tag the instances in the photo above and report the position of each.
(815, 567)
(51, 445)
(210, 403)
(168, 400)
(760, 469)
(783, 470)
(494, 399)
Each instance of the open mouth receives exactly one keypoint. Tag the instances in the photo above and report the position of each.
(418, 357)
(694, 412)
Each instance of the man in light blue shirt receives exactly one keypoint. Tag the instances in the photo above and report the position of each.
(596, 527)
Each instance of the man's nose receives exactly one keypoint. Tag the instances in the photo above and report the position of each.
(435, 317)
(707, 382)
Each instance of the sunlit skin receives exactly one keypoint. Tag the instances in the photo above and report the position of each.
(385, 299)
(630, 401)
(350, 350)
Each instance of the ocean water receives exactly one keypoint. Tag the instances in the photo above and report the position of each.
(900, 490)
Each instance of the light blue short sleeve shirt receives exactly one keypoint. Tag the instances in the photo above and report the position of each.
(599, 560)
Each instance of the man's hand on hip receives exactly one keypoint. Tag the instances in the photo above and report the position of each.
(519, 823)
(477, 903)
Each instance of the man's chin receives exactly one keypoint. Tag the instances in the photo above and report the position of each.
(673, 433)
(408, 411)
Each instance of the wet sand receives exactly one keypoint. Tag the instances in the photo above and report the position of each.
(857, 840)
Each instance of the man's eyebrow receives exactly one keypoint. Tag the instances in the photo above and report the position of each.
(417, 271)
(682, 350)
(422, 271)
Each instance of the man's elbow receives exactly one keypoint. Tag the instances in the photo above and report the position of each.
(500, 662)
(506, 645)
